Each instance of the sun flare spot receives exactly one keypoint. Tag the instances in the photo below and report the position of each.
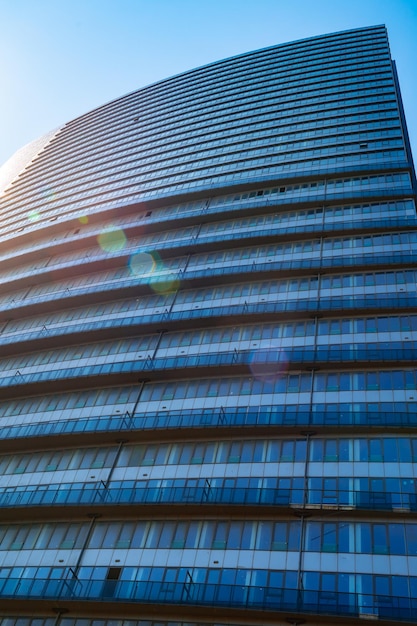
(142, 263)
(34, 216)
(269, 363)
(112, 239)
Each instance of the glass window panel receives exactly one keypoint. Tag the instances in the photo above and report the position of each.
(365, 542)
(411, 537)
(193, 534)
(396, 538)
(264, 539)
(314, 534)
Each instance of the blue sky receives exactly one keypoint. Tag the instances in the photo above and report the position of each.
(62, 58)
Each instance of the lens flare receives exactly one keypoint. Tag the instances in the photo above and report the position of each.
(141, 264)
(269, 364)
(150, 266)
(168, 285)
(112, 240)
(34, 216)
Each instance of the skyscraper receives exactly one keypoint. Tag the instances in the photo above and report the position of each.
(207, 377)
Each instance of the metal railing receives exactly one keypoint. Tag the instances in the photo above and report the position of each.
(254, 597)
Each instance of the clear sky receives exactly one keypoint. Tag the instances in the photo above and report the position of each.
(62, 58)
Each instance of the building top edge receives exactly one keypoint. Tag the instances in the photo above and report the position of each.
(213, 64)
(11, 169)
(84, 117)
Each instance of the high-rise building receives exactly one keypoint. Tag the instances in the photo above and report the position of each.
(208, 388)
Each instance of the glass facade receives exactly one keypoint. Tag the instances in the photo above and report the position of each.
(208, 382)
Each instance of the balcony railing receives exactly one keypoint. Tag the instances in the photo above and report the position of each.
(215, 417)
(265, 362)
(260, 598)
(203, 492)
